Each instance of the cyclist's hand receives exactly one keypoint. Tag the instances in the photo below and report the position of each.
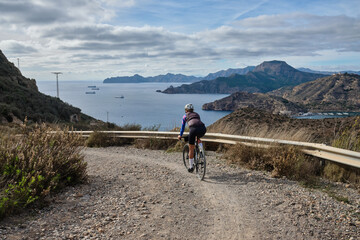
(179, 137)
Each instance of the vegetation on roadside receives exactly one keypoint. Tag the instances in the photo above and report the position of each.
(101, 139)
(36, 163)
(281, 161)
(290, 162)
(349, 139)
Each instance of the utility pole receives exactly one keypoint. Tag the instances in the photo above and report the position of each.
(57, 82)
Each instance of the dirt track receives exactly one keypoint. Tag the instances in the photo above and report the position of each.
(145, 194)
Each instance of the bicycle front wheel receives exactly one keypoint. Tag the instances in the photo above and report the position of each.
(201, 165)
(186, 156)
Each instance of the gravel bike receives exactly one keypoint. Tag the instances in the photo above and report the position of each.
(199, 159)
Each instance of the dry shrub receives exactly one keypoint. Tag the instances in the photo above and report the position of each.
(178, 147)
(36, 163)
(251, 157)
(101, 139)
(289, 161)
(155, 143)
(349, 138)
(341, 173)
(279, 160)
(266, 131)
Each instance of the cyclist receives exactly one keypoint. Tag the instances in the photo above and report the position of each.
(196, 129)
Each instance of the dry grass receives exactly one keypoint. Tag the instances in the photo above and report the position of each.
(281, 161)
(155, 144)
(265, 131)
(348, 138)
(100, 139)
(36, 163)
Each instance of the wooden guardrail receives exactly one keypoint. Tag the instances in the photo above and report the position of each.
(347, 157)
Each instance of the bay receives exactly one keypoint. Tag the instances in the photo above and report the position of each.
(141, 104)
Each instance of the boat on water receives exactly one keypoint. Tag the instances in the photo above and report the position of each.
(95, 88)
(122, 96)
(92, 86)
(93, 92)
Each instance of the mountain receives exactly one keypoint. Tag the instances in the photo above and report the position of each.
(228, 72)
(265, 77)
(264, 102)
(20, 98)
(326, 72)
(160, 78)
(338, 92)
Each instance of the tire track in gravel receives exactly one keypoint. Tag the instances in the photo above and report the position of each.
(222, 214)
(148, 194)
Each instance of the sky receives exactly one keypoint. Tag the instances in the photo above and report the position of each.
(97, 39)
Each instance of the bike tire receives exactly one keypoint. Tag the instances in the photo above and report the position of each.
(200, 164)
(186, 156)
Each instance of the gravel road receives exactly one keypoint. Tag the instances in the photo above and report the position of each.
(148, 194)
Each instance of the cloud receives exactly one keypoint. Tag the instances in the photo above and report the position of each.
(42, 12)
(79, 34)
(297, 34)
(15, 47)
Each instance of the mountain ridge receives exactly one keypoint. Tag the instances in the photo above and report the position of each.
(265, 77)
(169, 77)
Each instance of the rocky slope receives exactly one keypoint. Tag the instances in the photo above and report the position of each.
(259, 123)
(238, 100)
(20, 98)
(265, 77)
(339, 92)
(12, 75)
(228, 72)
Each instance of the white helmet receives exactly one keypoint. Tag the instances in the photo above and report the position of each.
(189, 106)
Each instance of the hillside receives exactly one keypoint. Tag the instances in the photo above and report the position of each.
(339, 92)
(228, 72)
(255, 122)
(265, 77)
(20, 98)
(160, 78)
(238, 100)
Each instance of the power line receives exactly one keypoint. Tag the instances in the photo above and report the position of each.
(57, 82)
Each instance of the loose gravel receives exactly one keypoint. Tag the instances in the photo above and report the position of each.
(148, 194)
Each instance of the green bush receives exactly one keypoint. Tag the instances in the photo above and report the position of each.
(36, 163)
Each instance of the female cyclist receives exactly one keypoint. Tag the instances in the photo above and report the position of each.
(196, 129)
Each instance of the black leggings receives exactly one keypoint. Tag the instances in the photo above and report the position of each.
(197, 131)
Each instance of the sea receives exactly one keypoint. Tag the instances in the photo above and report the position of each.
(132, 103)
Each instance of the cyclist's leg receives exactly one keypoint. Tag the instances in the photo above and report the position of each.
(199, 134)
(192, 136)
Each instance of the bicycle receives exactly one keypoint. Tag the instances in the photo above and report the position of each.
(199, 159)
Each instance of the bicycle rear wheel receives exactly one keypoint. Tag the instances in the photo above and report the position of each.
(200, 164)
(186, 156)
